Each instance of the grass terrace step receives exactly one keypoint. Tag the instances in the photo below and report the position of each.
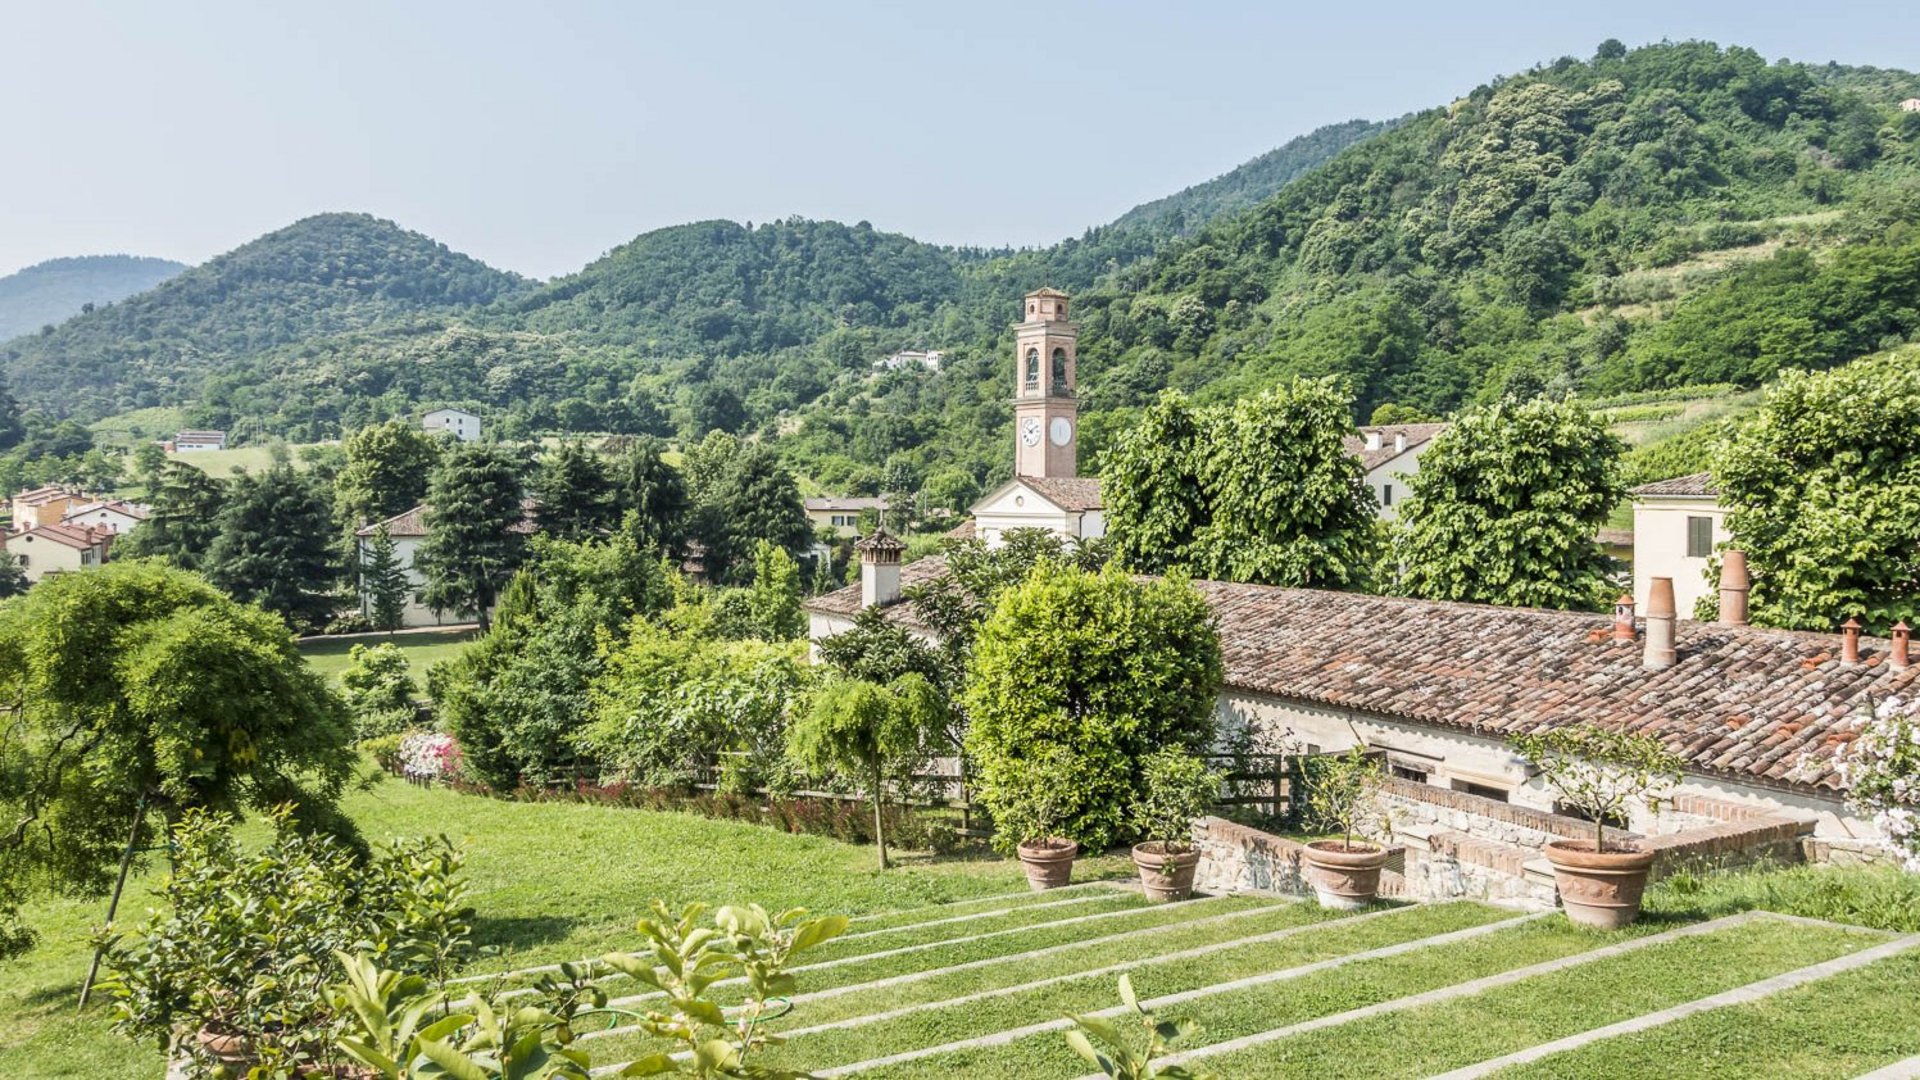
(883, 920)
(1841, 1027)
(1423, 1041)
(987, 922)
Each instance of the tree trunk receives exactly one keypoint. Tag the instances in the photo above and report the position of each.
(113, 905)
(879, 815)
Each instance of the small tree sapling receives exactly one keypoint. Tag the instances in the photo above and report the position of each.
(1601, 771)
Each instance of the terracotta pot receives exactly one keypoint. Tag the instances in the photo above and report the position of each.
(1049, 862)
(1599, 889)
(1344, 878)
(1165, 875)
(226, 1048)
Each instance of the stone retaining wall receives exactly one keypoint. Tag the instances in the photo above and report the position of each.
(1237, 858)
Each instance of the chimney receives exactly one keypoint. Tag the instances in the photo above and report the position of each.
(1734, 584)
(1901, 633)
(1850, 642)
(1660, 626)
(1399, 442)
(879, 568)
(1623, 618)
(1373, 440)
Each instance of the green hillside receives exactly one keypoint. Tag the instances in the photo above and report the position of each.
(53, 291)
(322, 275)
(1250, 183)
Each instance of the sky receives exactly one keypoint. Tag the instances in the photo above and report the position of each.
(538, 135)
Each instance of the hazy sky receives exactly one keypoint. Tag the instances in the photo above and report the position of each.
(538, 135)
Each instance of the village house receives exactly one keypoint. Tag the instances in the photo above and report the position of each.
(44, 505)
(458, 423)
(44, 550)
(907, 358)
(187, 442)
(1391, 453)
(1912, 104)
(1677, 526)
(117, 516)
(408, 532)
(1436, 689)
(841, 513)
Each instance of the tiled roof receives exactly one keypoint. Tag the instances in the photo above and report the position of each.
(413, 523)
(1415, 434)
(40, 496)
(74, 536)
(1069, 493)
(1614, 537)
(838, 502)
(120, 506)
(1698, 484)
(1741, 702)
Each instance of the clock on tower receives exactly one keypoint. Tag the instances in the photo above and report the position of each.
(1046, 414)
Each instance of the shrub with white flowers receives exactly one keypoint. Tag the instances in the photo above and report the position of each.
(429, 755)
(1881, 769)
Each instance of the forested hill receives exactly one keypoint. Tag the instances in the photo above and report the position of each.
(1676, 214)
(318, 276)
(50, 292)
(1249, 183)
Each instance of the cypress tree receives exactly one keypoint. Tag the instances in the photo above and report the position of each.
(473, 543)
(575, 493)
(383, 581)
(275, 547)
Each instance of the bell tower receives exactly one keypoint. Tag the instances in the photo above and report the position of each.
(1046, 417)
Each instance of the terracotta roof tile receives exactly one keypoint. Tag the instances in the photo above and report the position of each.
(1697, 484)
(1070, 493)
(1416, 434)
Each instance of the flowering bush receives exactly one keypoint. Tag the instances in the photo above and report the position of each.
(1881, 769)
(429, 755)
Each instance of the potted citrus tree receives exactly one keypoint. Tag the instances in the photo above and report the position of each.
(1600, 772)
(1344, 873)
(1178, 789)
(1029, 810)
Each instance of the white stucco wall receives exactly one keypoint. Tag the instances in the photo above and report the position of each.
(406, 549)
(1660, 548)
(1395, 472)
(111, 520)
(1020, 507)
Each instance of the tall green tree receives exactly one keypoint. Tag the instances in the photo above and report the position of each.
(387, 470)
(1506, 506)
(1823, 491)
(275, 547)
(383, 581)
(1154, 488)
(149, 467)
(184, 521)
(751, 497)
(655, 493)
(474, 538)
(774, 596)
(574, 493)
(869, 733)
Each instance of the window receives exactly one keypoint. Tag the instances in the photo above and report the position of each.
(1406, 773)
(1485, 791)
(1033, 367)
(1699, 537)
(1059, 380)
(1386, 494)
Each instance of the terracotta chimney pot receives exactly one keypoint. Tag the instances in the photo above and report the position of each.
(1850, 642)
(1623, 619)
(1661, 616)
(1734, 586)
(1902, 633)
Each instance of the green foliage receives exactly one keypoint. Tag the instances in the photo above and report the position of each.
(275, 547)
(655, 494)
(869, 733)
(384, 582)
(1601, 771)
(1340, 792)
(1505, 508)
(474, 530)
(1099, 668)
(144, 688)
(246, 943)
(184, 521)
(742, 495)
(1177, 790)
(774, 596)
(378, 690)
(1119, 1060)
(386, 471)
(574, 493)
(1154, 486)
(1823, 497)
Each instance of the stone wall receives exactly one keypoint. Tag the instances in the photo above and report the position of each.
(1236, 858)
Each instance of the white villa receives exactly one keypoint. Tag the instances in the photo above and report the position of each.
(1677, 526)
(458, 423)
(1391, 453)
(117, 516)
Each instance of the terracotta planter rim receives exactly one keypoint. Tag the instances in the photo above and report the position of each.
(1053, 847)
(1158, 849)
(1579, 854)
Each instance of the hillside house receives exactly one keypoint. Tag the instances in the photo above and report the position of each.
(458, 423)
(1912, 104)
(117, 516)
(188, 442)
(909, 358)
(44, 505)
(1391, 454)
(408, 532)
(841, 513)
(46, 550)
(1677, 526)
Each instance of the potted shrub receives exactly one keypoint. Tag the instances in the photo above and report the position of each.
(1029, 812)
(1344, 873)
(1599, 772)
(1179, 789)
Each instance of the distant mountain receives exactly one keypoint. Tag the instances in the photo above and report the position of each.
(53, 291)
(1253, 182)
(319, 276)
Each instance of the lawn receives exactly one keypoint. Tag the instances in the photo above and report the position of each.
(952, 969)
(328, 656)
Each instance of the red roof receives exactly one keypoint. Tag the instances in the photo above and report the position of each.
(413, 523)
(74, 536)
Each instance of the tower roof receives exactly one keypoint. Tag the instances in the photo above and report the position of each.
(1047, 290)
(880, 540)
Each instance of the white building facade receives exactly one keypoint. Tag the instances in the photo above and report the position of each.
(1678, 524)
(458, 423)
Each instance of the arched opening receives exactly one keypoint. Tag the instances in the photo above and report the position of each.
(1060, 371)
(1033, 367)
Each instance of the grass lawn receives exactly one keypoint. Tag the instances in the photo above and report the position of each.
(329, 657)
(551, 881)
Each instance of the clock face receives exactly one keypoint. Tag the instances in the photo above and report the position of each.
(1060, 430)
(1030, 431)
